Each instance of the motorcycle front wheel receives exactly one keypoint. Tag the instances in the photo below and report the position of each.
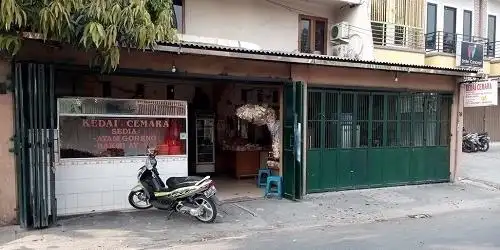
(209, 210)
(135, 198)
(484, 146)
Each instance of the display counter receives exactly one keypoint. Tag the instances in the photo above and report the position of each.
(245, 163)
(102, 143)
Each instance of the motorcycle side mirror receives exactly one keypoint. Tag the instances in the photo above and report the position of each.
(151, 151)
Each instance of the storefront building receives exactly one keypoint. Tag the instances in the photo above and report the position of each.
(344, 124)
(434, 33)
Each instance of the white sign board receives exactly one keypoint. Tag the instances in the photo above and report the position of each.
(482, 93)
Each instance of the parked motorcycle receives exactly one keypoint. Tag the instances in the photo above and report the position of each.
(470, 143)
(484, 141)
(194, 196)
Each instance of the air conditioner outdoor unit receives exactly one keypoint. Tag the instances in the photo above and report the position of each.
(340, 32)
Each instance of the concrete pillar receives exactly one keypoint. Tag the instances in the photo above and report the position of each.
(476, 19)
(480, 18)
(456, 127)
(484, 18)
(8, 199)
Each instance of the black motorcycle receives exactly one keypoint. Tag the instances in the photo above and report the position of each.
(470, 143)
(484, 141)
(188, 195)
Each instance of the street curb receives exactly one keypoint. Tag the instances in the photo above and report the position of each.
(420, 213)
(475, 182)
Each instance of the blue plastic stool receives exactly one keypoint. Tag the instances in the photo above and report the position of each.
(270, 191)
(264, 173)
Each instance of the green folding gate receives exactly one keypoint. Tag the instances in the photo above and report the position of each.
(359, 139)
(35, 123)
(292, 140)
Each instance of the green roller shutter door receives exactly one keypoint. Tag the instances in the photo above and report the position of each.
(363, 139)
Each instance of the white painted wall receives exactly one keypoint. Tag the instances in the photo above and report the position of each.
(359, 21)
(270, 24)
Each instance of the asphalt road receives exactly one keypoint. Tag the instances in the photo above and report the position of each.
(475, 230)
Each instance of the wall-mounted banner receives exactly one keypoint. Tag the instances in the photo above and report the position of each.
(470, 54)
(482, 93)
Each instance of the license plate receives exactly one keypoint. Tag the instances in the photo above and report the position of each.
(211, 191)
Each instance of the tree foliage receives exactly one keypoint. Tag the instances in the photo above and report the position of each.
(102, 26)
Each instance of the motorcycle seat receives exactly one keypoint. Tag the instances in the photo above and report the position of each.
(483, 133)
(178, 182)
(162, 189)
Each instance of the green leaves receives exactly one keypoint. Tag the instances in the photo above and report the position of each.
(99, 25)
(10, 43)
(93, 32)
(11, 15)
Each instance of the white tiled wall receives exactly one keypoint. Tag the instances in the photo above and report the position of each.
(103, 184)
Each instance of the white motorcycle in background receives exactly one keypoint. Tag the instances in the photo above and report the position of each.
(188, 195)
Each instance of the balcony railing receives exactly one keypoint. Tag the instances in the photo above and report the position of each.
(493, 49)
(447, 42)
(395, 35)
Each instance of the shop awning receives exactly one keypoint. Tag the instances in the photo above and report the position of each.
(311, 59)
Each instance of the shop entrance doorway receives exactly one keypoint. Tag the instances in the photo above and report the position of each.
(234, 125)
(232, 128)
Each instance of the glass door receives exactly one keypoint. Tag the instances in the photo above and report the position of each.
(204, 140)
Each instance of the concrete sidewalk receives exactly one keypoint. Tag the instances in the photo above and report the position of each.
(482, 166)
(151, 229)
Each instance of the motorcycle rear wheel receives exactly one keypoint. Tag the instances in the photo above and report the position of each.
(484, 147)
(210, 210)
(134, 204)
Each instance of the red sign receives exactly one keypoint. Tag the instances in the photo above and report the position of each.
(82, 137)
(123, 134)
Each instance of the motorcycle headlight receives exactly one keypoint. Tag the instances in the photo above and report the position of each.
(140, 172)
(148, 164)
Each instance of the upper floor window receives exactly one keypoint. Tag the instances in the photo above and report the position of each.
(430, 38)
(492, 36)
(178, 15)
(467, 25)
(312, 34)
(450, 30)
(431, 17)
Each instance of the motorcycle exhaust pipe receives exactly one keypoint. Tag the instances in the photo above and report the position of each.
(181, 208)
